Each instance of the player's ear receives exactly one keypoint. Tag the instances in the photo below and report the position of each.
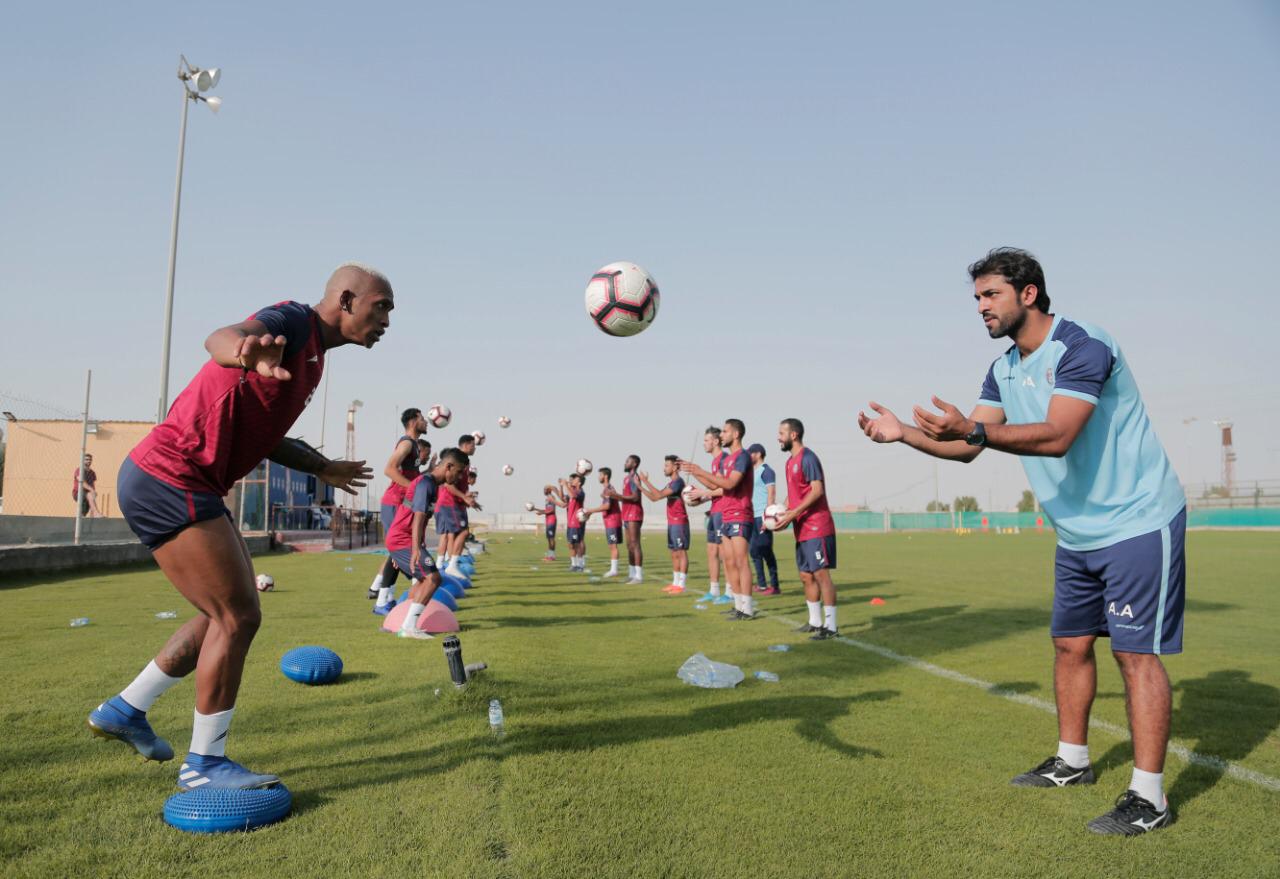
(346, 299)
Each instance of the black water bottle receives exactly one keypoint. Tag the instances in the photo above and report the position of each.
(453, 653)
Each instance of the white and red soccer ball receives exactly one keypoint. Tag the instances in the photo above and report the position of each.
(507, 470)
(439, 415)
(622, 299)
(504, 421)
(771, 515)
(478, 436)
(265, 582)
(687, 494)
(584, 466)
(529, 506)
(582, 515)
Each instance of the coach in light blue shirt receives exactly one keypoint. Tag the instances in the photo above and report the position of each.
(763, 493)
(1064, 399)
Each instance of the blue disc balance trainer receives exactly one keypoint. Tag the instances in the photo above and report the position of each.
(311, 665)
(442, 595)
(453, 586)
(404, 596)
(219, 810)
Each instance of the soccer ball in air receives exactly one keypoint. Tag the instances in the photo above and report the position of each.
(507, 470)
(265, 582)
(528, 506)
(478, 436)
(584, 466)
(439, 415)
(771, 515)
(504, 421)
(622, 299)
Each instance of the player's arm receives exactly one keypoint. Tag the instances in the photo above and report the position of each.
(392, 470)
(249, 345)
(886, 428)
(711, 480)
(817, 490)
(633, 498)
(1051, 438)
(650, 491)
(298, 455)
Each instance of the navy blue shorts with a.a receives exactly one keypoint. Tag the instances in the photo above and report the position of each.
(613, 535)
(713, 527)
(736, 529)
(815, 554)
(1133, 591)
(678, 536)
(156, 511)
(573, 535)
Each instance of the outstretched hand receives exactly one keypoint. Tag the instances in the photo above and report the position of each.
(883, 429)
(950, 425)
(262, 354)
(349, 476)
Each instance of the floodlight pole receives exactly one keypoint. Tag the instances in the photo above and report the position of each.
(84, 447)
(163, 408)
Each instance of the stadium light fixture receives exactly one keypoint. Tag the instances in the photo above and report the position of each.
(194, 81)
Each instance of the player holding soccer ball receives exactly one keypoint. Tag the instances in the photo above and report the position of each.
(696, 497)
(677, 520)
(575, 498)
(611, 511)
(1064, 399)
(632, 519)
(815, 529)
(552, 499)
(733, 479)
(261, 374)
(401, 469)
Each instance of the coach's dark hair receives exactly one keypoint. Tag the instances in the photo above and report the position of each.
(796, 426)
(674, 459)
(713, 431)
(608, 474)
(738, 426)
(1016, 266)
(457, 456)
(409, 415)
(466, 438)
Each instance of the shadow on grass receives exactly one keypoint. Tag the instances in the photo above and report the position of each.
(813, 716)
(548, 622)
(348, 677)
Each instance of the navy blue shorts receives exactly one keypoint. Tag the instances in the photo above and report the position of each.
(573, 535)
(156, 511)
(388, 514)
(736, 529)
(402, 557)
(613, 535)
(713, 527)
(1132, 591)
(448, 520)
(678, 536)
(551, 530)
(762, 538)
(816, 554)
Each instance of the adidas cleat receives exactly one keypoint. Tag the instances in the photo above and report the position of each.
(1132, 816)
(1054, 772)
(383, 609)
(117, 719)
(199, 770)
(823, 634)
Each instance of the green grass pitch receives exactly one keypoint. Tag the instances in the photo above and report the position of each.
(855, 764)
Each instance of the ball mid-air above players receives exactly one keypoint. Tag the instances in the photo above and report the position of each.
(504, 421)
(478, 436)
(622, 299)
(584, 467)
(439, 415)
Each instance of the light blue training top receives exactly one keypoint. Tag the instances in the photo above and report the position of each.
(1115, 482)
(760, 490)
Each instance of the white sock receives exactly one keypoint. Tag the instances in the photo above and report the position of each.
(1150, 786)
(411, 618)
(443, 560)
(829, 617)
(680, 579)
(639, 574)
(377, 582)
(715, 588)
(815, 613)
(1075, 755)
(209, 733)
(613, 566)
(147, 687)
(384, 596)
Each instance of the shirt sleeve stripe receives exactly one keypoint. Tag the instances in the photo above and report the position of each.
(1079, 395)
(996, 403)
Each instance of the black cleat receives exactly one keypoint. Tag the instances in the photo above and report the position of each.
(823, 634)
(1054, 772)
(740, 616)
(373, 593)
(809, 628)
(1132, 816)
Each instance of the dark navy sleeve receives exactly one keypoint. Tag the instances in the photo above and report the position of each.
(676, 485)
(422, 495)
(811, 467)
(291, 320)
(741, 463)
(990, 394)
(767, 477)
(1083, 369)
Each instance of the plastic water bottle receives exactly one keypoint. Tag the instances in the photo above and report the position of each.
(167, 615)
(495, 719)
(347, 570)
(779, 648)
(79, 622)
(766, 676)
(699, 607)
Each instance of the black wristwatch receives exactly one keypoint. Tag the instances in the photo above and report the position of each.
(979, 435)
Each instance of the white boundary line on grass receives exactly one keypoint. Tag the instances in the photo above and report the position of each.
(1234, 770)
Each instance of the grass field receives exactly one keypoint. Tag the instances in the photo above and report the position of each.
(854, 764)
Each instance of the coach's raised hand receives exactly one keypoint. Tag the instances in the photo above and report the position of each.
(346, 475)
(945, 427)
(884, 429)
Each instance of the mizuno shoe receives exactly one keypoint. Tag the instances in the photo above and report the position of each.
(383, 609)
(117, 719)
(199, 770)
(1055, 772)
(1132, 816)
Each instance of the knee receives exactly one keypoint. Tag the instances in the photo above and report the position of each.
(241, 623)
(1073, 649)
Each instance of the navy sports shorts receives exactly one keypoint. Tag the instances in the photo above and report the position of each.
(402, 557)
(447, 520)
(761, 537)
(1133, 591)
(388, 514)
(816, 554)
(573, 535)
(736, 529)
(713, 527)
(551, 530)
(678, 536)
(613, 535)
(156, 511)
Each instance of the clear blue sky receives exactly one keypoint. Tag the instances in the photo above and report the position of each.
(806, 182)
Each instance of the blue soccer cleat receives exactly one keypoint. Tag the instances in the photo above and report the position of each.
(383, 609)
(202, 771)
(723, 599)
(117, 719)
(708, 597)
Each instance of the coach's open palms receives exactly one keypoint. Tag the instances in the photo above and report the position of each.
(263, 354)
(346, 475)
(884, 429)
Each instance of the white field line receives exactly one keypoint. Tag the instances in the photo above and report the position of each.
(1226, 767)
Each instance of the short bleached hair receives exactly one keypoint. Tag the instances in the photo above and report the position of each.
(366, 269)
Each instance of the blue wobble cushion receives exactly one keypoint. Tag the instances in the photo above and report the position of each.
(464, 582)
(219, 810)
(311, 665)
(442, 595)
(452, 586)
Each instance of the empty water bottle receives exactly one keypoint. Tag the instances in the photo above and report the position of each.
(699, 607)
(167, 615)
(702, 672)
(779, 648)
(767, 676)
(495, 719)
(78, 622)
(348, 570)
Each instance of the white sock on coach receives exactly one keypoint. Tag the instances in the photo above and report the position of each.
(1074, 755)
(815, 613)
(209, 733)
(147, 687)
(1150, 786)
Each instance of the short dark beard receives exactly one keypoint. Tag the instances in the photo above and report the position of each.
(1012, 328)
(786, 447)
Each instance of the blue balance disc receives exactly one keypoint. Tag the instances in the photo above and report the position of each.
(444, 598)
(467, 565)
(404, 596)
(311, 665)
(219, 810)
(453, 586)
